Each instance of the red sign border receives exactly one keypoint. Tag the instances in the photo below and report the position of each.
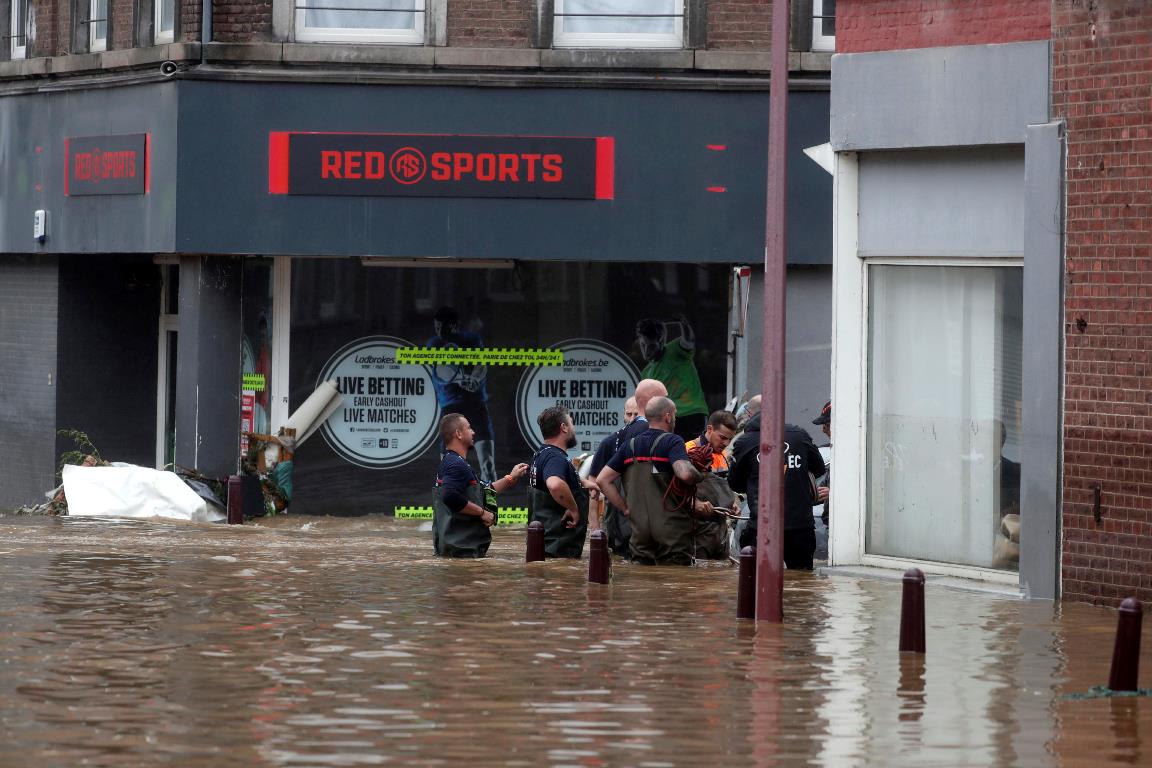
(278, 156)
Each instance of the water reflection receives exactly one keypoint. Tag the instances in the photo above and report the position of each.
(330, 642)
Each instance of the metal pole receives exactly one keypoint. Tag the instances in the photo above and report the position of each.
(770, 524)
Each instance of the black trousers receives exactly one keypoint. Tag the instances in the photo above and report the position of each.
(799, 547)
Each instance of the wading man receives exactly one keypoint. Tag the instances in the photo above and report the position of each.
(460, 519)
(557, 497)
(711, 536)
(649, 462)
(615, 524)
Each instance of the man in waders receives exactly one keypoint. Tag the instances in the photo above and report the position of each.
(557, 497)
(711, 536)
(615, 524)
(460, 520)
(661, 522)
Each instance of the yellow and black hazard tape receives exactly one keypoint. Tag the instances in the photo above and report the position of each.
(479, 356)
(508, 515)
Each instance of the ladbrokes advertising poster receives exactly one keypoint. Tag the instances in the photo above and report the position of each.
(408, 345)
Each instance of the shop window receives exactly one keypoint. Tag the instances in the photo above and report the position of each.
(97, 25)
(944, 392)
(823, 25)
(164, 20)
(619, 24)
(399, 22)
(18, 31)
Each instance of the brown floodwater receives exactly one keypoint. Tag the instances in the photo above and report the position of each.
(343, 642)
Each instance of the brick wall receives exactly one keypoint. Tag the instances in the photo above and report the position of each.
(740, 24)
(123, 34)
(190, 20)
(489, 23)
(50, 27)
(241, 21)
(889, 25)
(1101, 81)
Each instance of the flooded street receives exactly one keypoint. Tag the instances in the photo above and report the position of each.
(343, 642)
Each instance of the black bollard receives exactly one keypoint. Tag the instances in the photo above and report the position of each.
(1126, 654)
(235, 500)
(599, 565)
(746, 592)
(535, 551)
(912, 613)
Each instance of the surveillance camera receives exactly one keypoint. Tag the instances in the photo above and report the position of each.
(169, 68)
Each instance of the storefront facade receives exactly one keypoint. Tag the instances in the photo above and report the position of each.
(947, 291)
(215, 249)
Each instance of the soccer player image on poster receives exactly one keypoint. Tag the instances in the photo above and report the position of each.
(463, 388)
(669, 351)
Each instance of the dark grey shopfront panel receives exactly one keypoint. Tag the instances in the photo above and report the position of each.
(670, 148)
(33, 129)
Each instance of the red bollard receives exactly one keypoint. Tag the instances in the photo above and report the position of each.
(599, 564)
(746, 592)
(1126, 654)
(912, 613)
(235, 500)
(535, 551)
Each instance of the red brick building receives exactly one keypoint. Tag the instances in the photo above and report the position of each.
(1074, 165)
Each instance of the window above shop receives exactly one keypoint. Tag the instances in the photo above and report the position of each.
(164, 30)
(18, 31)
(97, 25)
(398, 22)
(824, 25)
(619, 24)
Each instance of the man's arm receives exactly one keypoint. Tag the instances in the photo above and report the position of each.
(684, 470)
(511, 479)
(607, 482)
(562, 495)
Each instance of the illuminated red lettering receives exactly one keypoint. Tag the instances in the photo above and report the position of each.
(330, 164)
(552, 170)
(374, 165)
(352, 162)
(441, 166)
(531, 160)
(486, 167)
(509, 168)
(463, 163)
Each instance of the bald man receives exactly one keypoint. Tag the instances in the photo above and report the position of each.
(662, 532)
(615, 524)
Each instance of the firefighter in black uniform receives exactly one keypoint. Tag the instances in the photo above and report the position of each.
(460, 519)
(557, 497)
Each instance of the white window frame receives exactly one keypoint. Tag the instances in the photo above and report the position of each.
(305, 34)
(563, 39)
(18, 50)
(850, 363)
(820, 41)
(160, 37)
(97, 44)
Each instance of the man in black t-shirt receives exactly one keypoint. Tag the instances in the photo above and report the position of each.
(557, 497)
(661, 529)
(460, 523)
(615, 524)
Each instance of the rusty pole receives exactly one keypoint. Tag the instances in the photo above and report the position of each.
(1126, 652)
(912, 613)
(746, 589)
(599, 564)
(770, 524)
(534, 550)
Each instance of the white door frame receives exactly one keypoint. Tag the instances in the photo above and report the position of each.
(281, 337)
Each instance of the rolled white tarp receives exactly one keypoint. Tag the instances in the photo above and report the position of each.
(314, 411)
(130, 491)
